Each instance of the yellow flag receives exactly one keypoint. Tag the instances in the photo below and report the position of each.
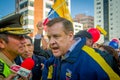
(61, 8)
(101, 30)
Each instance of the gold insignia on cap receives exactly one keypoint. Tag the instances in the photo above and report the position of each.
(22, 31)
(8, 29)
(21, 20)
(16, 30)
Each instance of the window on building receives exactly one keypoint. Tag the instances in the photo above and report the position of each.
(26, 21)
(25, 13)
(111, 14)
(31, 3)
(111, 23)
(48, 5)
(76, 29)
(75, 25)
(79, 26)
(98, 3)
(111, 18)
(111, 28)
(30, 12)
(46, 13)
(99, 11)
(111, 4)
(99, 7)
(31, 22)
(25, 4)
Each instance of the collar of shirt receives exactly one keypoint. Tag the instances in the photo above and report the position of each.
(71, 48)
(21, 59)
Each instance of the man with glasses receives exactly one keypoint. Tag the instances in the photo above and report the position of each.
(11, 42)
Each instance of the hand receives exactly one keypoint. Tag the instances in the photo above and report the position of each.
(42, 66)
(23, 78)
(10, 77)
(40, 27)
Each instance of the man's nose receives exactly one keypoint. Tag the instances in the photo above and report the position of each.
(52, 41)
(26, 48)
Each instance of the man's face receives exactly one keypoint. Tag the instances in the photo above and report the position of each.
(15, 45)
(89, 42)
(28, 47)
(59, 42)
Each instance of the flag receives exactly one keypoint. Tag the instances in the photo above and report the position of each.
(103, 64)
(101, 30)
(58, 9)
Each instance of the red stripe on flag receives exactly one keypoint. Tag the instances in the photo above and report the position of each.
(45, 22)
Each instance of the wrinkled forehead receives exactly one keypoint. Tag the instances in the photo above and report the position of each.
(56, 28)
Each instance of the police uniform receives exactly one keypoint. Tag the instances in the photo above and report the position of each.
(10, 25)
(5, 63)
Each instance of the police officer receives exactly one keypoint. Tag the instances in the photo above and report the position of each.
(11, 42)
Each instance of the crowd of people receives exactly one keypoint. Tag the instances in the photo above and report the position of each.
(63, 56)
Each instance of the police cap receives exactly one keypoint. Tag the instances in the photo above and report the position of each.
(13, 25)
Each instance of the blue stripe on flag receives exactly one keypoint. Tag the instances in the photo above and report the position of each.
(53, 14)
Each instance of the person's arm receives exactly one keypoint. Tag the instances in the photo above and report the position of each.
(38, 37)
(37, 43)
(38, 50)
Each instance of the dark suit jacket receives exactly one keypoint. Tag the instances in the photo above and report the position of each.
(39, 51)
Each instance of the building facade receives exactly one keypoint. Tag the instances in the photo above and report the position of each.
(106, 14)
(77, 27)
(87, 21)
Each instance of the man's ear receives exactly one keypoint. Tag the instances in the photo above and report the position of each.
(71, 35)
(2, 43)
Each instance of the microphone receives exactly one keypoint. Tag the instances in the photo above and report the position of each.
(23, 70)
(28, 63)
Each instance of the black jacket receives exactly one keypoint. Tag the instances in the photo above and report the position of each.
(39, 51)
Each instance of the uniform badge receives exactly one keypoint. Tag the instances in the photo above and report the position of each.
(68, 74)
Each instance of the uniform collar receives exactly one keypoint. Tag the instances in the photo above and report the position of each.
(74, 54)
(5, 59)
(70, 49)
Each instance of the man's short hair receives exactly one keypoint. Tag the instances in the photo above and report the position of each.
(67, 25)
(83, 33)
(28, 37)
